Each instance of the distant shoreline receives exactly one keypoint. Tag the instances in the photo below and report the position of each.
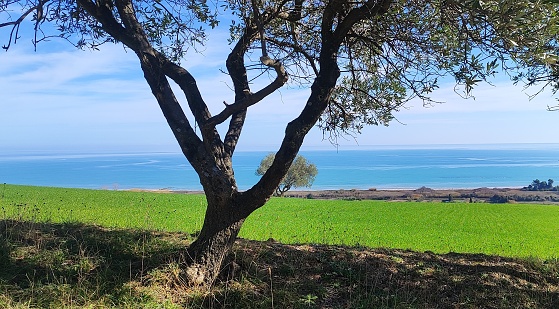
(420, 194)
(428, 194)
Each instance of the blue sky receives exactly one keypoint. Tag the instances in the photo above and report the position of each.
(62, 99)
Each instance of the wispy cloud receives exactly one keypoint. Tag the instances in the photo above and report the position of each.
(500, 96)
(65, 96)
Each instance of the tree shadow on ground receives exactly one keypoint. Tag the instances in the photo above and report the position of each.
(78, 265)
(42, 262)
(349, 277)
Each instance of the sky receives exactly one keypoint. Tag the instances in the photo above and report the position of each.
(58, 98)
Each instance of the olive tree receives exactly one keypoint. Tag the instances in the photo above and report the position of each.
(301, 173)
(362, 61)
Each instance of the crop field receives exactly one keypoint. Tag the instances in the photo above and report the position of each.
(514, 230)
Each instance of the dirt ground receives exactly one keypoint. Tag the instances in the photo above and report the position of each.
(427, 194)
(500, 195)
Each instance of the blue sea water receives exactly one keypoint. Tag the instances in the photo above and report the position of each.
(406, 168)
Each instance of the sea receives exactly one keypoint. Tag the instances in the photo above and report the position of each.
(405, 167)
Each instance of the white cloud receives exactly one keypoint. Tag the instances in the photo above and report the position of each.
(501, 96)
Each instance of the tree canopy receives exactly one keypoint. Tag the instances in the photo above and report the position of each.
(538, 185)
(362, 60)
(301, 173)
(385, 59)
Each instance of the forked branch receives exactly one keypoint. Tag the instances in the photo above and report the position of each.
(254, 98)
(250, 99)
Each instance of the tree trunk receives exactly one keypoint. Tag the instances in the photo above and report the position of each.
(209, 251)
(207, 153)
(225, 214)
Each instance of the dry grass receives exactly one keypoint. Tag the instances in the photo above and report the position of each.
(342, 277)
(83, 266)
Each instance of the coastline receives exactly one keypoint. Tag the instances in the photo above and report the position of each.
(420, 194)
(428, 194)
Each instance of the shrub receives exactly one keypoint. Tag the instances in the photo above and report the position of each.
(499, 199)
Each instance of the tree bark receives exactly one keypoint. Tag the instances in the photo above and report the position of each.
(225, 214)
(206, 255)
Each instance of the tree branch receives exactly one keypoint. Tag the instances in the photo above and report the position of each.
(238, 73)
(367, 10)
(321, 92)
(152, 62)
(298, 49)
(188, 85)
(258, 20)
(104, 15)
(16, 23)
(328, 19)
(252, 99)
(175, 115)
(182, 77)
(237, 70)
(296, 14)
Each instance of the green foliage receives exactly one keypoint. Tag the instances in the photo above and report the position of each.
(172, 26)
(301, 173)
(531, 42)
(538, 185)
(407, 51)
(499, 199)
(309, 299)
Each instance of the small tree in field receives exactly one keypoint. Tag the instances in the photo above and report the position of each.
(361, 61)
(300, 174)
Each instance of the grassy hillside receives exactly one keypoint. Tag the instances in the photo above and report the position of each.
(514, 230)
(66, 248)
(170, 212)
(502, 229)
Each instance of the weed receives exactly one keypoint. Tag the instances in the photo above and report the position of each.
(308, 299)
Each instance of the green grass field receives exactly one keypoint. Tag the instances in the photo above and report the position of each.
(514, 230)
(69, 248)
